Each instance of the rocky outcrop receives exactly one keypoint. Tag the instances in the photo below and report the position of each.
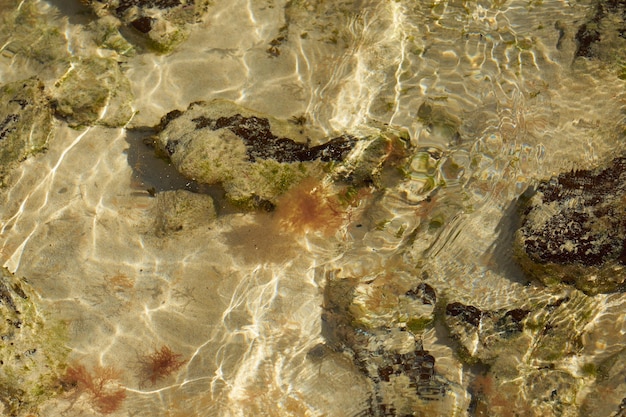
(378, 321)
(522, 351)
(573, 230)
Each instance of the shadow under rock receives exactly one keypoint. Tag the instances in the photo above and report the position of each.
(501, 252)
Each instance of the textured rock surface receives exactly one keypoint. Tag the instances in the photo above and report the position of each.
(603, 34)
(573, 230)
(378, 321)
(32, 353)
(26, 122)
(524, 352)
(611, 382)
(164, 23)
(94, 91)
(30, 37)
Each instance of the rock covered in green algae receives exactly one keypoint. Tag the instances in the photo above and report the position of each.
(94, 91)
(545, 330)
(106, 35)
(163, 23)
(255, 157)
(573, 230)
(26, 122)
(182, 210)
(32, 352)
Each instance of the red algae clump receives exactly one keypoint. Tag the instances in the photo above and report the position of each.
(105, 394)
(159, 364)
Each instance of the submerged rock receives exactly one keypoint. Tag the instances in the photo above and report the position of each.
(163, 23)
(257, 158)
(607, 397)
(526, 353)
(33, 40)
(32, 352)
(573, 230)
(182, 210)
(26, 122)
(94, 91)
(378, 321)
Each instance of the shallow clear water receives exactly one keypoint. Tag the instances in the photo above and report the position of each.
(243, 303)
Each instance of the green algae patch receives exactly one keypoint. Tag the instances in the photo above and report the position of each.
(32, 353)
(105, 33)
(94, 91)
(26, 122)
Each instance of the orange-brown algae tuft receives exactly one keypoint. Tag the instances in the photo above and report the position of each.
(100, 385)
(308, 207)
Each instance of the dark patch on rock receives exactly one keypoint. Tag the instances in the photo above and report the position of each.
(467, 313)
(165, 120)
(423, 292)
(157, 4)
(609, 16)
(553, 306)
(170, 148)
(575, 222)
(512, 322)
(7, 125)
(6, 299)
(143, 24)
(261, 143)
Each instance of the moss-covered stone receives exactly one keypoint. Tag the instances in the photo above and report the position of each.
(106, 34)
(26, 122)
(573, 230)
(94, 91)
(32, 349)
